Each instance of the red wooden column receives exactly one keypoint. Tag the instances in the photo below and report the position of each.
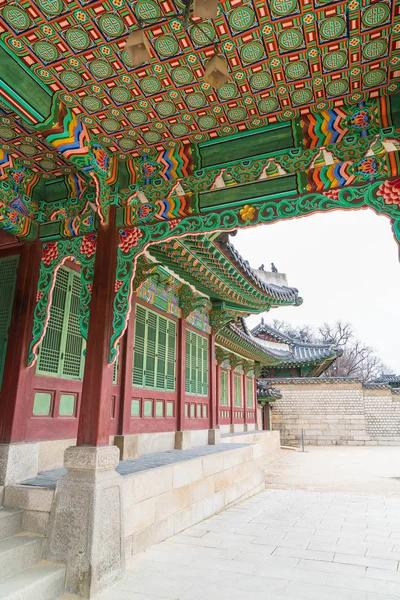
(213, 383)
(181, 375)
(126, 374)
(15, 397)
(244, 396)
(93, 429)
(218, 394)
(231, 392)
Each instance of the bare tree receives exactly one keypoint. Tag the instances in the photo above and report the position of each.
(358, 360)
(338, 333)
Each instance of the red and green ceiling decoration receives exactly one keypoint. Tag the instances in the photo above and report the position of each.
(309, 121)
(286, 58)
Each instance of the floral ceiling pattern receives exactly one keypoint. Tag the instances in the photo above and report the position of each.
(286, 57)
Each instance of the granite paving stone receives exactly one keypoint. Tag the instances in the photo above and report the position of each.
(281, 544)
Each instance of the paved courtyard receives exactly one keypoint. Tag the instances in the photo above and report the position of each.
(288, 544)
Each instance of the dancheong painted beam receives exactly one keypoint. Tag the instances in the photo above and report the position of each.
(309, 121)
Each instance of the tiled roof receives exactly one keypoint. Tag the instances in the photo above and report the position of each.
(389, 378)
(300, 352)
(280, 292)
(264, 390)
(240, 329)
(317, 380)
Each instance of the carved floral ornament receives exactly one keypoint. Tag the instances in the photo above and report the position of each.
(223, 355)
(54, 254)
(382, 197)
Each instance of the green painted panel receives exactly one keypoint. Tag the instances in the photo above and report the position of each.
(154, 354)
(151, 350)
(199, 411)
(237, 391)
(55, 190)
(186, 410)
(170, 409)
(171, 357)
(42, 404)
(395, 110)
(135, 408)
(250, 401)
(248, 192)
(204, 366)
(161, 353)
(224, 388)
(196, 364)
(61, 353)
(50, 349)
(8, 276)
(138, 355)
(148, 408)
(23, 84)
(159, 408)
(74, 346)
(67, 405)
(205, 411)
(193, 411)
(246, 146)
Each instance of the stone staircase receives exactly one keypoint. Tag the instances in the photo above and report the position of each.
(23, 573)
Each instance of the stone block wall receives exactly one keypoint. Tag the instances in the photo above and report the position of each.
(336, 412)
(162, 502)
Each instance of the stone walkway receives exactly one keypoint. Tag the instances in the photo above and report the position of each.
(278, 545)
(285, 544)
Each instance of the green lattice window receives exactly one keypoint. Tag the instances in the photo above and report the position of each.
(61, 353)
(237, 390)
(249, 386)
(154, 356)
(8, 276)
(224, 388)
(196, 364)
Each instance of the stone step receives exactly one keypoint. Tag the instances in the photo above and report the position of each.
(18, 553)
(43, 581)
(10, 522)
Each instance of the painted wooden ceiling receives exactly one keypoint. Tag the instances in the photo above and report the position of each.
(286, 57)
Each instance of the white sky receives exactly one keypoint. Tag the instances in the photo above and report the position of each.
(345, 265)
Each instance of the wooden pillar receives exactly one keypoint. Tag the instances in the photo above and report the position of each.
(181, 375)
(93, 429)
(126, 374)
(232, 393)
(218, 391)
(244, 396)
(213, 383)
(16, 392)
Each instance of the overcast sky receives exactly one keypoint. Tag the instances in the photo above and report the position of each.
(345, 265)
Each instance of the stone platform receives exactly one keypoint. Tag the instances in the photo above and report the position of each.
(166, 492)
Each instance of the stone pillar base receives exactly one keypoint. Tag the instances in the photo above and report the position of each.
(183, 440)
(18, 462)
(86, 523)
(128, 445)
(214, 437)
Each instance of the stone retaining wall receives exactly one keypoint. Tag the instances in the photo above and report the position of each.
(338, 412)
(163, 501)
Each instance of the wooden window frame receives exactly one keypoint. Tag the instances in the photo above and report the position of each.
(170, 351)
(197, 364)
